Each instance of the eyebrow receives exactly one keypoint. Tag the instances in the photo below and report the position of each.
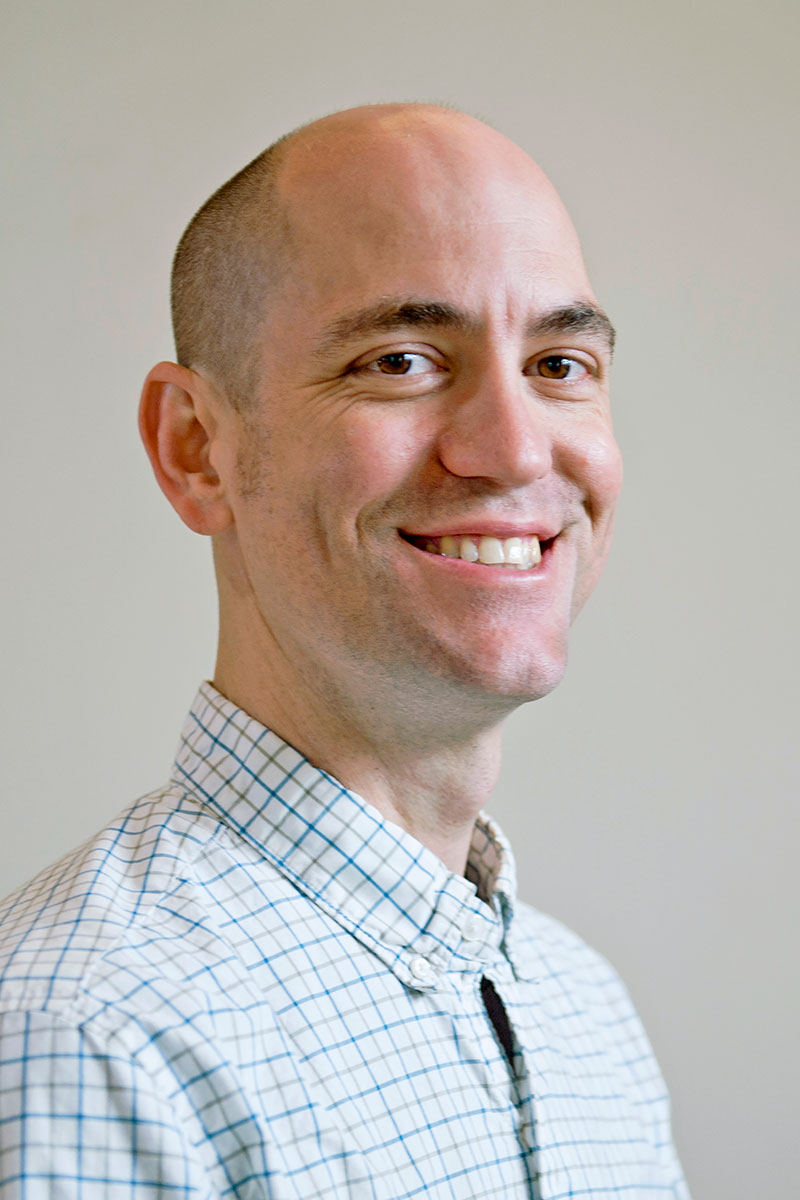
(575, 318)
(389, 315)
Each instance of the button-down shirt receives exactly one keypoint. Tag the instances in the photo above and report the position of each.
(252, 985)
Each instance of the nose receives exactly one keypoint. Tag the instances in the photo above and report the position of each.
(498, 430)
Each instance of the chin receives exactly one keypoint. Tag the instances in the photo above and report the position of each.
(533, 685)
(512, 679)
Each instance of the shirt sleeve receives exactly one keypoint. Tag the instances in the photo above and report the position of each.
(81, 1122)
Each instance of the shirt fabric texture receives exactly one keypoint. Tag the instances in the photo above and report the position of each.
(251, 985)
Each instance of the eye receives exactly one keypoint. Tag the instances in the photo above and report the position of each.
(401, 362)
(561, 367)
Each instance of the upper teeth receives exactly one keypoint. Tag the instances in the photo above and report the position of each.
(520, 552)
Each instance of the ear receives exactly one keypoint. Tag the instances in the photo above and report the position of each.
(179, 430)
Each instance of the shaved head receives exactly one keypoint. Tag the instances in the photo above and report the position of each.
(393, 306)
(237, 249)
(228, 261)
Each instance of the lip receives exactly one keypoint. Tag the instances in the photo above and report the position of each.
(488, 571)
(543, 530)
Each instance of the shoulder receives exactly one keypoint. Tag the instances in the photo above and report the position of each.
(116, 976)
(541, 936)
(566, 968)
(579, 991)
(57, 929)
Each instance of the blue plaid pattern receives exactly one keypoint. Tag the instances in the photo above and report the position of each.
(251, 985)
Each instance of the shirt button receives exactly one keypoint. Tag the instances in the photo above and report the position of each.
(526, 1135)
(471, 929)
(422, 970)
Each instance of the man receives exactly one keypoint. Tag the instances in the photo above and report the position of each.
(301, 969)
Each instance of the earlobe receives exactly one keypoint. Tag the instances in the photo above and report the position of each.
(178, 429)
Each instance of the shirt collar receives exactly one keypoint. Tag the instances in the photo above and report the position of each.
(372, 877)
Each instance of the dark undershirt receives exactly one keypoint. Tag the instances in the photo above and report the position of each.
(497, 1015)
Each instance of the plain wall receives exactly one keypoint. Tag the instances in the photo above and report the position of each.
(652, 800)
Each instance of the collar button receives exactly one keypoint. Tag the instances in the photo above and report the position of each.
(471, 930)
(422, 971)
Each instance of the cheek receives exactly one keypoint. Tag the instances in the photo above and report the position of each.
(595, 465)
(372, 456)
(596, 468)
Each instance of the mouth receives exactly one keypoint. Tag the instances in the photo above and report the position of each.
(514, 553)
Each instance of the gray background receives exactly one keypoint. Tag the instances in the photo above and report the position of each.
(652, 798)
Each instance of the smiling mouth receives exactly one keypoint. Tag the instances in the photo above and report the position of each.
(517, 553)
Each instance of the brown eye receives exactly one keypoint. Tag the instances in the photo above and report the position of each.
(401, 362)
(556, 366)
(394, 364)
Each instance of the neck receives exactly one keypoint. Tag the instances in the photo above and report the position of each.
(434, 794)
(430, 780)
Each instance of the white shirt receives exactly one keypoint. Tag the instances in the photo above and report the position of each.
(252, 985)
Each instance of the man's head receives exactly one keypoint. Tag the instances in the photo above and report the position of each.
(228, 265)
(402, 366)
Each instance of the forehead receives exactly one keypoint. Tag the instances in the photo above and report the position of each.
(466, 219)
